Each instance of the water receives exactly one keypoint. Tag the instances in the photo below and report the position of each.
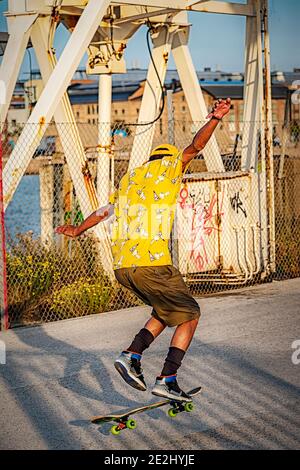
(23, 213)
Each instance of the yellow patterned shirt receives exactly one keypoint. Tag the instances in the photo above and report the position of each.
(144, 207)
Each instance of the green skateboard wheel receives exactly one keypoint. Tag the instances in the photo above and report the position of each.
(115, 430)
(172, 413)
(188, 407)
(131, 424)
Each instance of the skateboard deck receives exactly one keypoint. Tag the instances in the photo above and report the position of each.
(124, 422)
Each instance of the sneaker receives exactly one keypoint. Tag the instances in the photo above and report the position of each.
(168, 387)
(130, 369)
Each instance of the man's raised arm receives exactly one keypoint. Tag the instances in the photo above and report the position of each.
(99, 215)
(220, 109)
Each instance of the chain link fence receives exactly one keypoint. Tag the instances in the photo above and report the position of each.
(220, 236)
(3, 277)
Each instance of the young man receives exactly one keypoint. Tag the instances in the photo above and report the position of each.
(144, 206)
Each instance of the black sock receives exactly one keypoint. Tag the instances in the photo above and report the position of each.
(173, 361)
(141, 341)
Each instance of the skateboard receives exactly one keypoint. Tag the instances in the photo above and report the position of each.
(125, 422)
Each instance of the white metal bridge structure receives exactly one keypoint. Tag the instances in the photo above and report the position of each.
(102, 29)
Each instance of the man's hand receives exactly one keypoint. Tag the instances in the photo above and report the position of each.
(98, 216)
(68, 230)
(220, 109)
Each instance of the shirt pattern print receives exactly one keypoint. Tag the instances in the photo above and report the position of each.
(144, 207)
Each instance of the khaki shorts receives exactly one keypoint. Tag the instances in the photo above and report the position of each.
(164, 289)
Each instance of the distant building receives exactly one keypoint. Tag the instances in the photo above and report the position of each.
(128, 91)
(236, 93)
(127, 101)
(18, 112)
(291, 80)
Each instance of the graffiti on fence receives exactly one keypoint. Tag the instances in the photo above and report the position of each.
(237, 204)
(203, 217)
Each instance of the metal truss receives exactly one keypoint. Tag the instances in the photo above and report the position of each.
(90, 22)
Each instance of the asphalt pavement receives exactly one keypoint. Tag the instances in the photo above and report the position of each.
(60, 374)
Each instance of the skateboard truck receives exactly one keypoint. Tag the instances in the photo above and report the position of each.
(178, 407)
(124, 423)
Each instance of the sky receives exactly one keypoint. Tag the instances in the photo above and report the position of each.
(216, 41)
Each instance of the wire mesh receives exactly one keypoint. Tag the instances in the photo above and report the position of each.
(3, 277)
(220, 236)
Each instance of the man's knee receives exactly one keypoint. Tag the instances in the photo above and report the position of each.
(194, 323)
(197, 312)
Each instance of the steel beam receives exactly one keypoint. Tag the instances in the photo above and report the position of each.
(194, 96)
(104, 154)
(51, 96)
(19, 31)
(64, 117)
(269, 139)
(146, 15)
(151, 100)
(253, 98)
(226, 8)
(69, 136)
(207, 6)
(262, 197)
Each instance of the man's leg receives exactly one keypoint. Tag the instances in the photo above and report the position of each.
(179, 345)
(184, 334)
(128, 363)
(146, 336)
(166, 384)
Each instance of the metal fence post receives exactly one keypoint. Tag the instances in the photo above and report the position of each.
(3, 279)
(269, 140)
(173, 246)
(171, 122)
